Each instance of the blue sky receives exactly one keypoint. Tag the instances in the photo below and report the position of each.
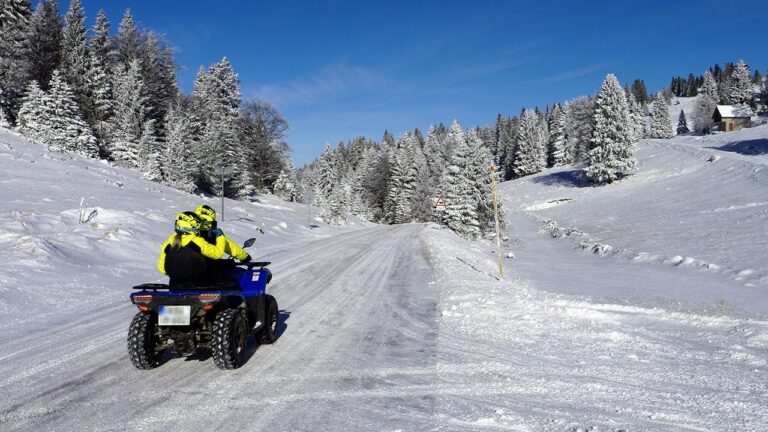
(340, 69)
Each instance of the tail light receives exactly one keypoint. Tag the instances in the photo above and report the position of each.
(209, 298)
(142, 298)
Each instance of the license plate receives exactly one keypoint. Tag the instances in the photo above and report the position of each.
(174, 315)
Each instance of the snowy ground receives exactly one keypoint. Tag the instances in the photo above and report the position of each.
(406, 327)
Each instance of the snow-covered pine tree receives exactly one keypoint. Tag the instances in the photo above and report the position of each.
(14, 55)
(71, 132)
(158, 70)
(459, 194)
(557, 156)
(337, 206)
(661, 126)
(368, 182)
(33, 119)
(682, 124)
(397, 205)
(178, 167)
(422, 187)
(325, 180)
(100, 111)
(511, 127)
(709, 87)
(285, 186)
(129, 115)
(637, 117)
(478, 175)
(610, 153)
(741, 89)
(101, 43)
(44, 38)
(75, 56)
(128, 41)
(435, 152)
(531, 154)
(703, 112)
(640, 92)
(579, 118)
(216, 101)
(150, 155)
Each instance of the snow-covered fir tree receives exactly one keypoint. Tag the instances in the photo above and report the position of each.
(638, 118)
(178, 166)
(150, 155)
(14, 55)
(436, 152)
(75, 55)
(397, 206)
(325, 180)
(216, 101)
(610, 152)
(128, 40)
(285, 185)
(703, 112)
(422, 188)
(459, 194)
(479, 176)
(531, 153)
(579, 120)
(44, 39)
(70, 131)
(33, 119)
(661, 125)
(682, 124)
(739, 90)
(129, 115)
(557, 150)
(709, 87)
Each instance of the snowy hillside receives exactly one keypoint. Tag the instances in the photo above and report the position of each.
(405, 327)
(694, 203)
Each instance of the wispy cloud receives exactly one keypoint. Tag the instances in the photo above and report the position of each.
(574, 73)
(333, 80)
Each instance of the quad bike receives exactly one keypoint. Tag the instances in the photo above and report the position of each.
(218, 317)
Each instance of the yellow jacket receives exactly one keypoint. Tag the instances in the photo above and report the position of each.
(232, 248)
(213, 251)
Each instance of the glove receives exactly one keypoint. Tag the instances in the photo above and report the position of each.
(246, 259)
(216, 232)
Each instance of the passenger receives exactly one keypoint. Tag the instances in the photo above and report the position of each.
(213, 234)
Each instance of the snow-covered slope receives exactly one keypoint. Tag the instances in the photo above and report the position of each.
(404, 327)
(54, 265)
(694, 203)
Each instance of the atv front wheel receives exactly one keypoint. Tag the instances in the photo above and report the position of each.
(268, 334)
(229, 338)
(142, 341)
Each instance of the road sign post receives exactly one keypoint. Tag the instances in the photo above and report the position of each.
(496, 219)
(224, 172)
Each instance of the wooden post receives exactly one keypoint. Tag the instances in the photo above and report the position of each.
(496, 218)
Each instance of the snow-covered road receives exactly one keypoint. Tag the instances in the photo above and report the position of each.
(360, 329)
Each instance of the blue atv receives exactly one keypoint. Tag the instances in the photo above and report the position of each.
(218, 317)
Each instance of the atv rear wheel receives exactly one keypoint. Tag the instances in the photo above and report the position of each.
(142, 341)
(268, 334)
(229, 339)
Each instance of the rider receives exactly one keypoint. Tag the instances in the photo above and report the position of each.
(185, 256)
(213, 234)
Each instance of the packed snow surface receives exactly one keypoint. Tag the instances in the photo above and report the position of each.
(660, 325)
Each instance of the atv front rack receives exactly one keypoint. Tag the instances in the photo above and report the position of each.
(259, 264)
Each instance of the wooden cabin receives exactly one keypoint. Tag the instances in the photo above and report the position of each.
(732, 117)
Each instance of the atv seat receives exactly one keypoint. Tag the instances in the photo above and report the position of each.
(151, 286)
